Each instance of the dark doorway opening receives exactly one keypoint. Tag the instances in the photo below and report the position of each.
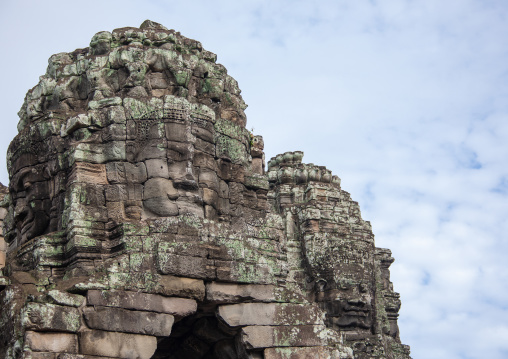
(202, 336)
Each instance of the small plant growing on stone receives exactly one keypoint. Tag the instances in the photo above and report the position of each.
(251, 133)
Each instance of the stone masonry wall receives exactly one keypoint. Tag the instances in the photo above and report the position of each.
(140, 222)
(3, 212)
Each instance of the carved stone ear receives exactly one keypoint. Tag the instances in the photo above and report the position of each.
(320, 285)
(46, 173)
(8, 222)
(17, 180)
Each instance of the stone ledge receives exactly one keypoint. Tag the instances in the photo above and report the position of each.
(129, 321)
(39, 355)
(43, 316)
(79, 356)
(270, 314)
(284, 336)
(51, 342)
(308, 352)
(181, 287)
(234, 293)
(179, 307)
(117, 345)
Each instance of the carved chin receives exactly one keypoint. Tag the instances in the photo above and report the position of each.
(162, 207)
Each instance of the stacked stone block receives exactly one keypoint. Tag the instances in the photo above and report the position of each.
(3, 212)
(123, 324)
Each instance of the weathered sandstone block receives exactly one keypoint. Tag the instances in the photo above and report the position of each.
(194, 267)
(39, 316)
(117, 345)
(181, 287)
(284, 336)
(270, 314)
(128, 321)
(307, 353)
(52, 342)
(234, 293)
(2, 253)
(181, 307)
(64, 298)
(39, 355)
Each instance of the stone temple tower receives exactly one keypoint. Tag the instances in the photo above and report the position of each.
(140, 221)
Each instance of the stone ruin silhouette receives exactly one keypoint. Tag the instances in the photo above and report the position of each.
(140, 222)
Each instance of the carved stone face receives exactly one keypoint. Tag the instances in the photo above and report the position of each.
(155, 163)
(342, 278)
(161, 175)
(355, 308)
(349, 307)
(31, 202)
(126, 133)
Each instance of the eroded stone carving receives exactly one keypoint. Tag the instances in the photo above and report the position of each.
(139, 211)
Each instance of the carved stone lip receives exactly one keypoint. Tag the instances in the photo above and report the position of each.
(354, 308)
(30, 225)
(352, 322)
(25, 231)
(26, 226)
(353, 313)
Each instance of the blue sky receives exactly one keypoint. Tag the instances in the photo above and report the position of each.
(406, 101)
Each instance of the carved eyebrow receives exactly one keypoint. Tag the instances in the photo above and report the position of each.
(28, 175)
(18, 179)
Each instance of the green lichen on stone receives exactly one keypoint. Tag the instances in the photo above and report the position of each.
(257, 181)
(113, 101)
(137, 109)
(135, 229)
(232, 130)
(132, 243)
(118, 280)
(191, 220)
(182, 77)
(64, 298)
(137, 261)
(44, 316)
(213, 87)
(231, 149)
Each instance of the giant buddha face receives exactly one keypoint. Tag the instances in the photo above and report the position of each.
(169, 165)
(138, 126)
(32, 202)
(35, 183)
